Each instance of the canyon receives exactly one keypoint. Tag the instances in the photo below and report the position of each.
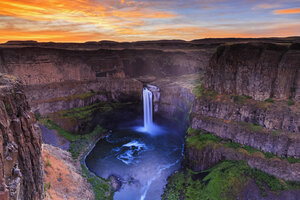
(240, 98)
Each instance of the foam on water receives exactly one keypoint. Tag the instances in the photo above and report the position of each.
(130, 152)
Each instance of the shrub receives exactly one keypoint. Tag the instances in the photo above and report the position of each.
(269, 100)
(291, 102)
(48, 164)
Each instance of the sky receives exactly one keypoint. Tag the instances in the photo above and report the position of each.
(134, 20)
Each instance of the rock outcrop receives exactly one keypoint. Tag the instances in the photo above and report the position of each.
(21, 170)
(259, 70)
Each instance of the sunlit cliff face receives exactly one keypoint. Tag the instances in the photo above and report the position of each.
(128, 20)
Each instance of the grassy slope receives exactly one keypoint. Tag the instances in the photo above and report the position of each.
(224, 181)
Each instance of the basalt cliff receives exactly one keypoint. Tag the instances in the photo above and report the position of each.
(21, 170)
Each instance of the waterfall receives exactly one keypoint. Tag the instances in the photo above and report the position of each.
(148, 114)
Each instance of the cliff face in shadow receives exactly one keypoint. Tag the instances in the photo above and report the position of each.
(21, 171)
(259, 70)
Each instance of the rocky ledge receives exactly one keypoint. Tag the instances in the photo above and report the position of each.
(21, 170)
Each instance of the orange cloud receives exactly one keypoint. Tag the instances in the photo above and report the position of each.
(287, 11)
(130, 20)
(54, 35)
(192, 32)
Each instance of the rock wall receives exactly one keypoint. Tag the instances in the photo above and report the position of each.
(283, 144)
(176, 97)
(33, 65)
(49, 98)
(273, 116)
(21, 171)
(259, 70)
(210, 155)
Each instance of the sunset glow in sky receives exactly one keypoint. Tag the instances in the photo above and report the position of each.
(132, 20)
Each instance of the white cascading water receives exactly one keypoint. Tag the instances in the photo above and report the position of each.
(148, 110)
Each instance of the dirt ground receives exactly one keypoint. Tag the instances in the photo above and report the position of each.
(62, 179)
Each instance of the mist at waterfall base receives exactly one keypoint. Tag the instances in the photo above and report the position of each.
(142, 154)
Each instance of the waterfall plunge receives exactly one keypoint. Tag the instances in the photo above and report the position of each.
(149, 127)
(148, 109)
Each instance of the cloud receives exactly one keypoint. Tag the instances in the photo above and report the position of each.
(266, 6)
(129, 20)
(287, 11)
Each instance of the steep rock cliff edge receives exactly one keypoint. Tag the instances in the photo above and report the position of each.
(21, 169)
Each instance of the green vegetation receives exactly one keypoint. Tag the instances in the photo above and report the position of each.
(78, 142)
(37, 116)
(224, 181)
(85, 113)
(101, 187)
(53, 126)
(7, 107)
(293, 160)
(269, 100)
(240, 99)
(252, 127)
(77, 146)
(200, 139)
(47, 187)
(190, 131)
(290, 102)
(48, 164)
(200, 91)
